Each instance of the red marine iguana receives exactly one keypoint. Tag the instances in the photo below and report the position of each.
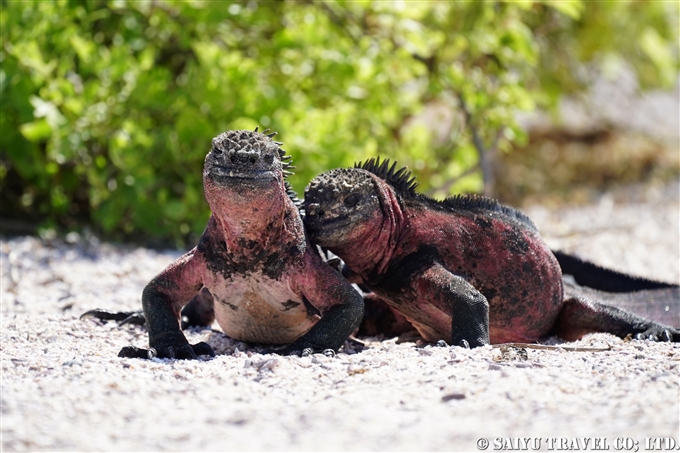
(466, 269)
(257, 273)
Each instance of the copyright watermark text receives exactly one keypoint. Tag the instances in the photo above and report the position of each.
(578, 444)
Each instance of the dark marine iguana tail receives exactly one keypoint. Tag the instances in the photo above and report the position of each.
(464, 269)
(593, 276)
(658, 305)
(651, 299)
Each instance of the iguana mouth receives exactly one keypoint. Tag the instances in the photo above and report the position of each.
(318, 226)
(222, 174)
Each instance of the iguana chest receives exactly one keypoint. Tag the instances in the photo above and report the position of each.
(260, 309)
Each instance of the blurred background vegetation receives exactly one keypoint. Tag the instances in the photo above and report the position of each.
(108, 107)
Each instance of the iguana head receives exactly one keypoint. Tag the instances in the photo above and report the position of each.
(243, 167)
(245, 159)
(340, 204)
(356, 213)
(356, 204)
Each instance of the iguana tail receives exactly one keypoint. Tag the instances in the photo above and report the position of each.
(596, 277)
(660, 305)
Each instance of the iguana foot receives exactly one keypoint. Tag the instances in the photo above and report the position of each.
(309, 351)
(464, 344)
(461, 344)
(203, 348)
(665, 334)
(287, 350)
(469, 342)
(134, 352)
(123, 317)
(184, 351)
(299, 351)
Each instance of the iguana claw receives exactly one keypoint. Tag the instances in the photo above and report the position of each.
(299, 351)
(185, 351)
(137, 353)
(169, 352)
(656, 334)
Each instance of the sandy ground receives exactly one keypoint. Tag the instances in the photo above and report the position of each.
(63, 388)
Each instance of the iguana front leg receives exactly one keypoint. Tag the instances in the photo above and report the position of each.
(162, 300)
(165, 336)
(341, 306)
(438, 290)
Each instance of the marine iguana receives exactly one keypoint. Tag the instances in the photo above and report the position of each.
(654, 300)
(467, 269)
(268, 282)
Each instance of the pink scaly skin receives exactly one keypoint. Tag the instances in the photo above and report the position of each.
(267, 281)
(465, 270)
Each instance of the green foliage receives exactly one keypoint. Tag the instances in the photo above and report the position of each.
(108, 108)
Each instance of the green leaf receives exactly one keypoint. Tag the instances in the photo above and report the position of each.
(659, 51)
(47, 110)
(571, 8)
(36, 131)
(83, 48)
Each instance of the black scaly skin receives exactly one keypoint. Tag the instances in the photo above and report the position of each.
(461, 259)
(593, 276)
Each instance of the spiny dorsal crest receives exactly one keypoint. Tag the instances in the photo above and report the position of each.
(473, 202)
(400, 179)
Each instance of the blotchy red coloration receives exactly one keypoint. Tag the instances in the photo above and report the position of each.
(267, 281)
(467, 269)
(508, 263)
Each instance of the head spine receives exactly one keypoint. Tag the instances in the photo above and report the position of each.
(404, 184)
(401, 179)
(286, 166)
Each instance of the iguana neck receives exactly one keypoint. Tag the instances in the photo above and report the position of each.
(267, 221)
(371, 256)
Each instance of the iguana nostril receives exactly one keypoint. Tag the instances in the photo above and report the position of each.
(253, 160)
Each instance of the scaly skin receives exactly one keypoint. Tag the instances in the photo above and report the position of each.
(267, 281)
(466, 270)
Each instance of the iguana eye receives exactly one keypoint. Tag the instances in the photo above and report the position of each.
(352, 200)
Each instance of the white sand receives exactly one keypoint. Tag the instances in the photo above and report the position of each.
(63, 388)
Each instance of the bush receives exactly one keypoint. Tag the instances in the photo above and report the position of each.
(108, 108)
